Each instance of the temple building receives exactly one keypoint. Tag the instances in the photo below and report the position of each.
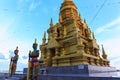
(70, 41)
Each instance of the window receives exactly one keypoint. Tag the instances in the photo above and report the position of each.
(58, 32)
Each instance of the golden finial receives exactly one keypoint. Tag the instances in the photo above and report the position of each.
(93, 36)
(79, 15)
(44, 38)
(103, 53)
(80, 18)
(51, 23)
(44, 35)
(84, 20)
(67, 0)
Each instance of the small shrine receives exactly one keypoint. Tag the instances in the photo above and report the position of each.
(70, 41)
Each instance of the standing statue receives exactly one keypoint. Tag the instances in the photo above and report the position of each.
(13, 63)
(33, 63)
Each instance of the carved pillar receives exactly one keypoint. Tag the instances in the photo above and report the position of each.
(80, 46)
(49, 59)
(88, 50)
(92, 51)
(96, 52)
(92, 61)
(88, 59)
(42, 55)
(63, 52)
(85, 60)
(55, 33)
(65, 31)
(42, 52)
(101, 61)
(56, 52)
(97, 62)
(48, 53)
(108, 63)
(61, 32)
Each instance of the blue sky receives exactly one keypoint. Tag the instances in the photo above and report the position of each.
(21, 21)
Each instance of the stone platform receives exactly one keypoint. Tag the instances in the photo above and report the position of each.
(4, 76)
(49, 77)
(80, 72)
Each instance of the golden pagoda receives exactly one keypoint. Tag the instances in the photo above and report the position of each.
(70, 41)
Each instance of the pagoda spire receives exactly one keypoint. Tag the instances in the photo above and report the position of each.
(93, 36)
(44, 38)
(104, 55)
(85, 21)
(51, 23)
(80, 18)
(79, 15)
(69, 7)
(67, 0)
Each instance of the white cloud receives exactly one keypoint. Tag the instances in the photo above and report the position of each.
(2, 56)
(112, 49)
(8, 43)
(5, 37)
(4, 64)
(108, 25)
(23, 1)
(24, 57)
(111, 40)
(34, 5)
(112, 46)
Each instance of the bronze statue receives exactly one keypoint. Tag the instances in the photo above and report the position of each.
(33, 63)
(13, 63)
